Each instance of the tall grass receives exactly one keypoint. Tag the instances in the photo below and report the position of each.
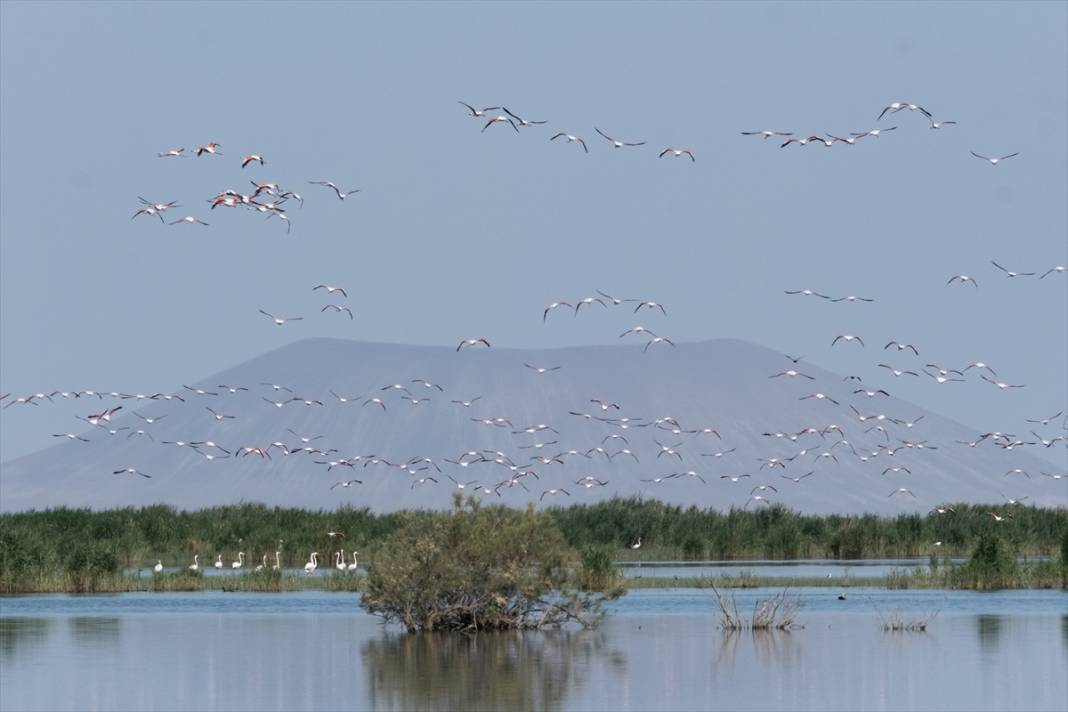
(82, 550)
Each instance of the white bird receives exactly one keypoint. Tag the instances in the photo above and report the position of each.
(195, 566)
(873, 132)
(897, 106)
(540, 369)
(330, 184)
(847, 337)
(131, 471)
(338, 309)
(614, 142)
(158, 568)
(313, 563)
(994, 161)
(218, 561)
(940, 124)
(279, 321)
(173, 153)
(478, 113)
(1060, 269)
(766, 133)
(277, 566)
(70, 436)
(552, 307)
(1010, 273)
(999, 384)
(677, 152)
(792, 373)
(522, 121)
(554, 491)
(571, 139)
(240, 561)
(902, 490)
(251, 158)
(355, 564)
(331, 290)
(189, 219)
(501, 119)
(658, 340)
(212, 148)
(339, 560)
(473, 342)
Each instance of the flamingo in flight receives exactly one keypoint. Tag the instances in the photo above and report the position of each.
(995, 161)
(571, 139)
(473, 342)
(279, 321)
(677, 152)
(616, 143)
(333, 186)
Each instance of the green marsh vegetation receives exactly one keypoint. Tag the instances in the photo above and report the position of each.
(80, 550)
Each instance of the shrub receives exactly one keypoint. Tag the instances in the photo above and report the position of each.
(478, 569)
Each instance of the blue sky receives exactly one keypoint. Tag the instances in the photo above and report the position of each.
(458, 233)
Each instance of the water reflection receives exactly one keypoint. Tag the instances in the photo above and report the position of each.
(989, 629)
(18, 633)
(493, 671)
(94, 630)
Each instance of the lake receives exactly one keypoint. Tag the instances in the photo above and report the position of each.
(657, 650)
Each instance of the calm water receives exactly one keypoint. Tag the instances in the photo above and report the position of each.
(658, 649)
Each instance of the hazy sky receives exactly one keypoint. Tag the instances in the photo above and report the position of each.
(458, 233)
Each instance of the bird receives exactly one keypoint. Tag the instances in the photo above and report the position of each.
(1000, 518)
(188, 219)
(313, 563)
(240, 561)
(339, 560)
(355, 564)
(338, 309)
(219, 417)
(763, 488)
(279, 321)
(897, 106)
(131, 471)
(553, 306)
(478, 113)
(963, 279)
(940, 124)
(501, 119)
(658, 340)
(847, 337)
(806, 293)
(195, 566)
(1060, 269)
(333, 186)
(796, 480)
(766, 133)
(637, 330)
(901, 347)
(522, 121)
(994, 161)
(218, 561)
(733, 478)
(251, 158)
(331, 290)
(588, 300)
(212, 148)
(902, 490)
(1046, 421)
(637, 544)
(473, 342)
(999, 384)
(873, 132)
(650, 305)
(897, 469)
(542, 369)
(571, 139)
(677, 152)
(806, 141)
(173, 153)
(1010, 273)
(70, 436)
(158, 568)
(615, 143)
(554, 491)
(852, 298)
(148, 210)
(792, 373)
(819, 396)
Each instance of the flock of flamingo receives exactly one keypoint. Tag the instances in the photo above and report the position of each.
(537, 447)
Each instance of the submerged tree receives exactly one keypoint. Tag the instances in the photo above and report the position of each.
(477, 569)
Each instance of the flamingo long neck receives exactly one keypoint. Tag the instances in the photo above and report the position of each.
(276, 561)
(196, 561)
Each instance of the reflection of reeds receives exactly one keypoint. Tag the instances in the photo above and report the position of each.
(776, 613)
(896, 622)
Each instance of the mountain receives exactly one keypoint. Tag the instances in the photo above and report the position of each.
(721, 384)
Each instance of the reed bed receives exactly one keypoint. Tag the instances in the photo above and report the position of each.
(776, 613)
